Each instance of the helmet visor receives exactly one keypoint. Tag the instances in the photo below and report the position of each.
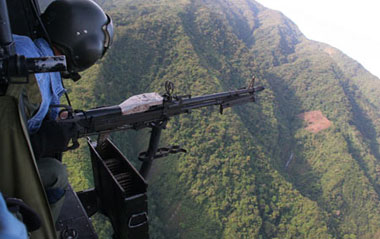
(108, 33)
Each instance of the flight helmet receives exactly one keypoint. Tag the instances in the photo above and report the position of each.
(80, 29)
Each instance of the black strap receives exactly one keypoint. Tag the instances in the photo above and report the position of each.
(66, 95)
(30, 217)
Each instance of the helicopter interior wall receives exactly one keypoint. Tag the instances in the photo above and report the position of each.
(23, 17)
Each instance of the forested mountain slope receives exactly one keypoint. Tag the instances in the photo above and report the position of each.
(270, 169)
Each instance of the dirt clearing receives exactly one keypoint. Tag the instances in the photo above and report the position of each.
(316, 121)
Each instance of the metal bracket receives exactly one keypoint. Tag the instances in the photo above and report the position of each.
(102, 139)
(251, 84)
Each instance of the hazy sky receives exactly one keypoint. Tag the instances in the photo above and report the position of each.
(351, 26)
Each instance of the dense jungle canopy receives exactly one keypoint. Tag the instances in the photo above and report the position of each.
(258, 170)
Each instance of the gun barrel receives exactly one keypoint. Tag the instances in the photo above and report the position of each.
(215, 99)
(108, 119)
(46, 64)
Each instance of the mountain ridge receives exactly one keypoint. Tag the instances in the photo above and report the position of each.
(234, 182)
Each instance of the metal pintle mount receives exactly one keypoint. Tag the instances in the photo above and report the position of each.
(162, 152)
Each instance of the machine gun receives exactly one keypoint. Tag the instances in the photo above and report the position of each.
(120, 189)
(151, 110)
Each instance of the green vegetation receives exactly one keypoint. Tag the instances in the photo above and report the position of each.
(235, 181)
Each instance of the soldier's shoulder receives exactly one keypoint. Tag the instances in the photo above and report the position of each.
(25, 46)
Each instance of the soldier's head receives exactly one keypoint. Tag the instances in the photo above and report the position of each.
(79, 29)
